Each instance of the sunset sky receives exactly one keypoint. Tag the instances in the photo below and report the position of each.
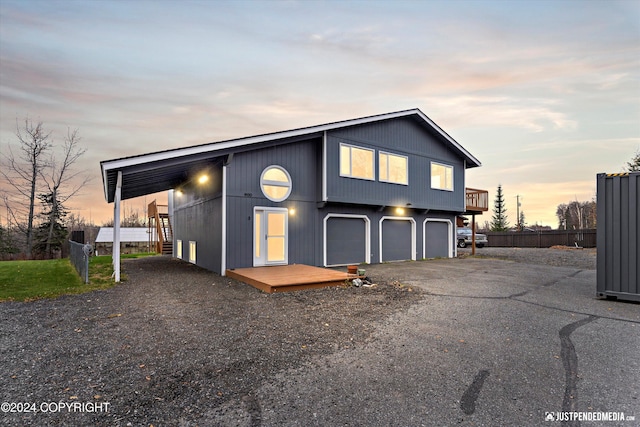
(546, 94)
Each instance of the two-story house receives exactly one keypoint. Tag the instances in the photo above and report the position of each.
(368, 190)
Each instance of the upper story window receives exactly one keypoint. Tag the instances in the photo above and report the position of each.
(393, 168)
(441, 176)
(357, 162)
(275, 183)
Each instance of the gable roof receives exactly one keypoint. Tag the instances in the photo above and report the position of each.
(163, 170)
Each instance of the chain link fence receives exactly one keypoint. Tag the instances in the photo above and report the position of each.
(79, 256)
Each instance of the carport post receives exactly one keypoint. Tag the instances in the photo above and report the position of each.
(473, 234)
(116, 228)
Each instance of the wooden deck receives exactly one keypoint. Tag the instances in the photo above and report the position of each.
(294, 277)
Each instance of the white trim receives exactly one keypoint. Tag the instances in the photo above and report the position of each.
(288, 185)
(367, 239)
(223, 145)
(193, 252)
(358, 147)
(115, 255)
(213, 147)
(179, 248)
(413, 233)
(324, 166)
(453, 176)
(387, 153)
(451, 248)
(223, 234)
(265, 210)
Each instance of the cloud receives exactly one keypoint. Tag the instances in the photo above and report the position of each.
(531, 114)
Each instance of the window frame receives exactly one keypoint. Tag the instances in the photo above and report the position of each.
(442, 187)
(266, 182)
(179, 248)
(388, 179)
(350, 174)
(192, 251)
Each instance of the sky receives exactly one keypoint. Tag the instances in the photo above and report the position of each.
(546, 94)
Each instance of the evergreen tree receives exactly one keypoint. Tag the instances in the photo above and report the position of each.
(634, 164)
(499, 219)
(52, 232)
(7, 245)
(521, 222)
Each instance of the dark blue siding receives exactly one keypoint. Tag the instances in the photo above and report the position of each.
(198, 211)
(302, 160)
(404, 137)
(197, 216)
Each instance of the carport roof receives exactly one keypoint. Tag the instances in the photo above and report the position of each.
(164, 170)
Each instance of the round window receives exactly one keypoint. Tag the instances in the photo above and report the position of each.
(275, 183)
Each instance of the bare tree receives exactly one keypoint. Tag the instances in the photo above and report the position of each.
(22, 171)
(62, 183)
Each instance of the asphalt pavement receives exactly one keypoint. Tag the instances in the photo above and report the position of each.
(493, 343)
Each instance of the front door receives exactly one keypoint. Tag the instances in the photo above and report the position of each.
(270, 241)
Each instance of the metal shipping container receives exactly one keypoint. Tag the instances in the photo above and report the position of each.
(618, 235)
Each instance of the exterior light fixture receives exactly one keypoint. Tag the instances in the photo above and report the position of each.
(292, 211)
(178, 192)
(203, 179)
(400, 211)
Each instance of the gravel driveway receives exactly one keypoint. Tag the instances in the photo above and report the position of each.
(469, 341)
(172, 343)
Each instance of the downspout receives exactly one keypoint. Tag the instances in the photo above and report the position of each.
(116, 228)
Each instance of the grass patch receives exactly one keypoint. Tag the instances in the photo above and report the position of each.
(31, 280)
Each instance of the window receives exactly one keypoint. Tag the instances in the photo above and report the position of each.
(179, 249)
(356, 162)
(275, 183)
(192, 251)
(441, 176)
(393, 168)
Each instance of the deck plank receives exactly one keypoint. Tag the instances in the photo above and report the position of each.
(292, 277)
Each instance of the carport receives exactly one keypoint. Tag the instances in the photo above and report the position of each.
(135, 176)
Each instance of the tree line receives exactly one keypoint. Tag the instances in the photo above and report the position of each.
(574, 215)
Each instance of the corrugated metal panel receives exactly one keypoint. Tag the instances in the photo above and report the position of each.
(618, 235)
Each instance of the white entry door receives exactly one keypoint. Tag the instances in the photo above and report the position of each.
(270, 240)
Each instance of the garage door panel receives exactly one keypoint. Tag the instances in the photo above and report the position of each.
(436, 239)
(346, 241)
(396, 240)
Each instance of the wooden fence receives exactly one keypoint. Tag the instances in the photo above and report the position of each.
(543, 239)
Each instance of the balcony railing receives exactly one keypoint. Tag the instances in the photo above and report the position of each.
(477, 200)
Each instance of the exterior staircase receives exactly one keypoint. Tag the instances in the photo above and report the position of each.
(160, 228)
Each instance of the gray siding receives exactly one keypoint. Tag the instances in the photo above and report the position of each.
(375, 215)
(197, 216)
(302, 162)
(198, 211)
(618, 236)
(404, 137)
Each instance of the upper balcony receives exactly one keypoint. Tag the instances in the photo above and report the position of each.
(477, 200)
